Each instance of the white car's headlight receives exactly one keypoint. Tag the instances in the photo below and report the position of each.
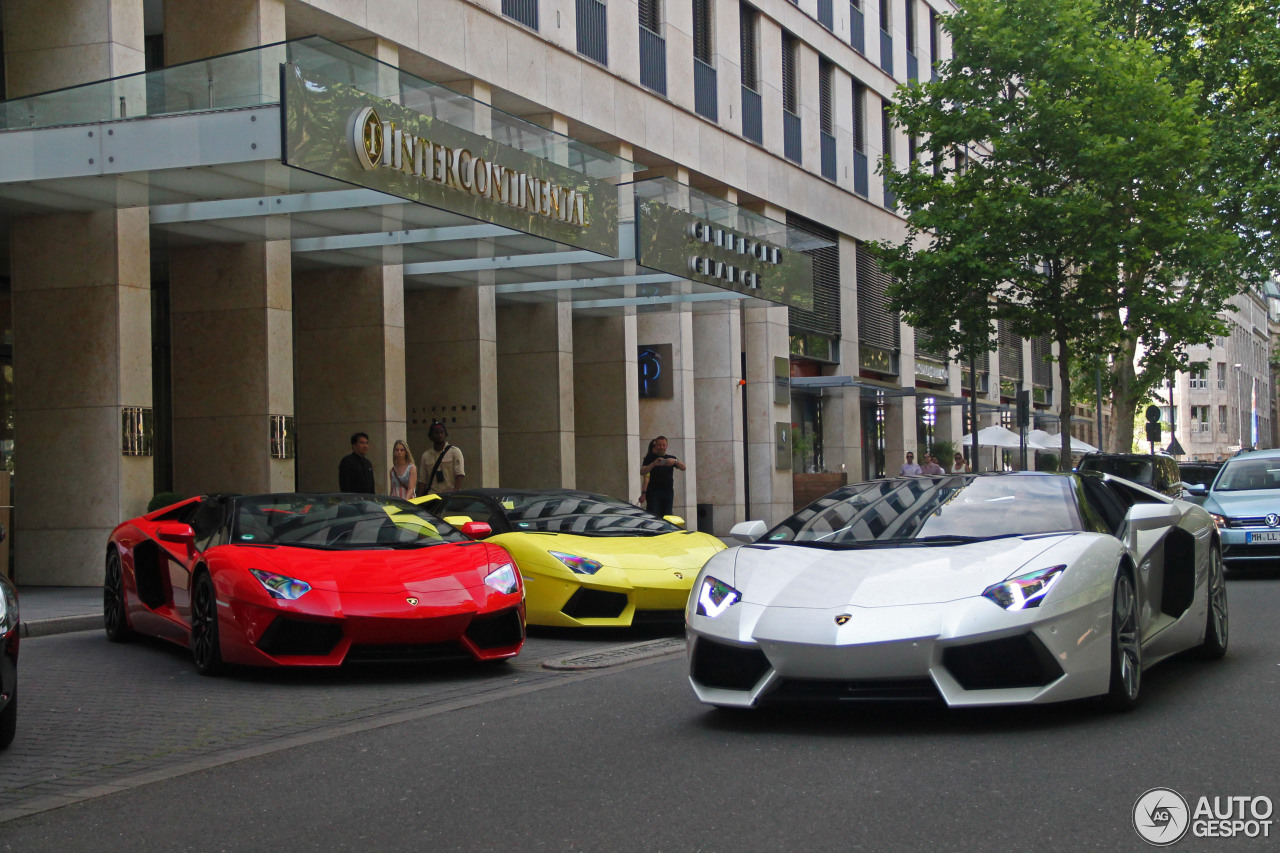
(502, 579)
(579, 565)
(281, 586)
(715, 597)
(1024, 591)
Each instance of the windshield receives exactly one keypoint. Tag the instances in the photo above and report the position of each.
(1134, 470)
(949, 510)
(582, 515)
(1247, 475)
(337, 522)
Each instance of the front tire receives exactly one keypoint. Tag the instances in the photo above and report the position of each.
(115, 616)
(1126, 646)
(206, 650)
(9, 720)
(1216, 635)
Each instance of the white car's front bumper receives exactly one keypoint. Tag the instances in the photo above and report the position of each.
(971, 651)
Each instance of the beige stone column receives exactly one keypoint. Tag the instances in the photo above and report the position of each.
(718, 393)
(535, 395)
(232, 319)
(194, 29)
(451, 368)
(350, 370)
(52, 44)
(900, 412)
(606, 414)
(843, 439)
(82, 351)
(766, 336)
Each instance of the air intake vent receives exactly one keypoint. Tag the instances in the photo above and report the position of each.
(728, 667)
(1010, 662)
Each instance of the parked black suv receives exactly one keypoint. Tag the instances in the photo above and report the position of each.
(1157, 472)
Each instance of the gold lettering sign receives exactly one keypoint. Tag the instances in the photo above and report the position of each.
(343, 132)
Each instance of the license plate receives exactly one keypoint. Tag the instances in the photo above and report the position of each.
(1262, 536)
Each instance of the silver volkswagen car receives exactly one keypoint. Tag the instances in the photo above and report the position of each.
(1244, 501)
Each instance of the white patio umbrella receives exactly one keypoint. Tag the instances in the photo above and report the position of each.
(1053, 441)
(993, 436)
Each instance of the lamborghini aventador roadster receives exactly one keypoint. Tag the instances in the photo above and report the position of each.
(587, 559)
(976, 589)
(310, 580)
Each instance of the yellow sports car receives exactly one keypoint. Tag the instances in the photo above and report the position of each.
(586, 559)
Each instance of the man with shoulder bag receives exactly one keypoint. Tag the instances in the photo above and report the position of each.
(442, 464)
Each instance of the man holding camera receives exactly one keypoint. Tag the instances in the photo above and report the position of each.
(441, 464)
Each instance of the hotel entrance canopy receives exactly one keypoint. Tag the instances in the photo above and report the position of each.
(358, 163)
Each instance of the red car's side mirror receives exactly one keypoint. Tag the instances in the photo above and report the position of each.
(477, 529)
(177, 533)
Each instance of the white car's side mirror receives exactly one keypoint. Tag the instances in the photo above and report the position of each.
(748, 531)
(1152, 516)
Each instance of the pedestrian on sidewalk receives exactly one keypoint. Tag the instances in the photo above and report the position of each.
(355, 471)
(660, 467)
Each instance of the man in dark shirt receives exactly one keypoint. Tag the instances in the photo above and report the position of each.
(660, 467)
(355, 472)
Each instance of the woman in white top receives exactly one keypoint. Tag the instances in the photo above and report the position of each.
(960, 465)
(403, 477)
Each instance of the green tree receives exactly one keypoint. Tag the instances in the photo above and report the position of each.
(1062, 190)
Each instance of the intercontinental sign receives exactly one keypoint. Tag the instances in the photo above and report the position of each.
(342, 132)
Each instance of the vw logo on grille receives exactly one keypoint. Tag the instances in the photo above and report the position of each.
(1273, 520)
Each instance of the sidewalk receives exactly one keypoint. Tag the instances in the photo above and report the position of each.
(46, 610)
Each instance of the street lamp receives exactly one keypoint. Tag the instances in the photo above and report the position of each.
(1240, 395)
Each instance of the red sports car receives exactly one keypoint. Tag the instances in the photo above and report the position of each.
(311, 580)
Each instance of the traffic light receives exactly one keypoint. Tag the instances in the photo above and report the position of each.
(1153, 423)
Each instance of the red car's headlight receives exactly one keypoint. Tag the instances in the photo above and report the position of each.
(281, 586)
(503, 579)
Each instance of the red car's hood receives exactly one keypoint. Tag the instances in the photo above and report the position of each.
(419, 570)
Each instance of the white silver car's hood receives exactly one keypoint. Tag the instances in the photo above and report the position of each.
(798, 576)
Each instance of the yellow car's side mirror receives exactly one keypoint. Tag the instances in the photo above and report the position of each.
(674, 519)
(457, 520)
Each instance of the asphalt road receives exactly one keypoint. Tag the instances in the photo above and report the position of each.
(615, 759)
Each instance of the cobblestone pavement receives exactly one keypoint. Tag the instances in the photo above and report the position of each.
(95, 717)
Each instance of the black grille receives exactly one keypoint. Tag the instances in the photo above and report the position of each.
(1259, 521)
(747, 29)
(1237, 551)
(595, 604)
(425, 653)
(658, 617)
(862, 690)
(287, 636)
(593, 30)
(877, 326)
(1042, 364)
(524, 11)
(859, 117)
(702, 30)
(1010, 351)
(1010, 662)
(728, 667)
(790, 86)
(496, 630)
(824, 319)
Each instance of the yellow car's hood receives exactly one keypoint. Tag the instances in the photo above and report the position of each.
(668, 551)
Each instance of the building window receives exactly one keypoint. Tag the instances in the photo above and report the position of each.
(1222, 419)
(886, 146)
(752, 117)
(593, 30)
(705, 100)
(886, 40)
(1200, 418)
(653, 48)
(861, 169)
(1199, 377)
(857, 27)
(826, 119)
(934, 44)
(826, 14)
(790, 98)
(909, 23)
(524, 11)
(1222, 376)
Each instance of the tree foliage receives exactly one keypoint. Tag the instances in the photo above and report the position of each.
(1063, 190)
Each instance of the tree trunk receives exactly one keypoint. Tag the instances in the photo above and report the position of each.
(1064, 402)
(1123, 401)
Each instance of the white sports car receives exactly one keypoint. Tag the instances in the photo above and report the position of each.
(990, 589)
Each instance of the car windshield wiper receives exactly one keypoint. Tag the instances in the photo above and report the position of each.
(817, 543)
(314, 545)
(955, 539)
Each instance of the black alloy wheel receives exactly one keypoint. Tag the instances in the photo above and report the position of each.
(114, 616)
(1126, 646)
(9, 720)
(205, 648)
(1215, 630)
